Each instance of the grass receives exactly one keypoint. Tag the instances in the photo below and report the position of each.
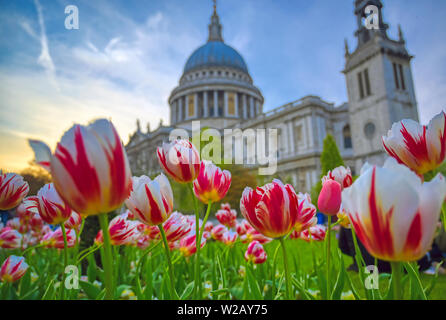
(302, 251)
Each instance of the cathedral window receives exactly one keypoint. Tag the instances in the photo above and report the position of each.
(403, 85)
(395, 76)
(367, 82)
(360, 85)
(347, 137)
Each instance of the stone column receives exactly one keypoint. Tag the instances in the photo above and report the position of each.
(251, 107)
(195, 105)
(173, 112)
(245, 109)
(236, 104)
(205, 104)
(225, 104)
(180, 106)
(215, 103)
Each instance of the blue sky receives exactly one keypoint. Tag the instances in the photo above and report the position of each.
(128, 55)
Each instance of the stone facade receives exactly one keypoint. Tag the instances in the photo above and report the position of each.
(217, 89)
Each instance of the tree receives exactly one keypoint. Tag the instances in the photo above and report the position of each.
(330, 159)
(36, 177)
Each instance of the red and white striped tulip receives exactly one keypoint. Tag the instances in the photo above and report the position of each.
(180, 160)
(341, 174)
(151, 201)
(255, 253)
(242, 227)
(54, 239)
(12, 190)
(329, 201)
(89, 168)
(272, 209)
(36, 223)
(212, 183)
(393, 212)
(208, 226)
(176, 227)
(254, 235)
(13, 268)
(187, 245)
(315, 233)
(227, 216)
(27, 209)
(306, 213)
(16, 224)
(74, 221)
(421, 148)
(10, 238)
(218, 231)
(229, 237)
(52, 208)
(122, 231)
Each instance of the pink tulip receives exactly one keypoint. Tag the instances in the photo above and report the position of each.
(12, 190)
(329, 201)
(180, 160)
(212, 183)
(90, 169)
(255, 253)
(421, 148)
(13, 269)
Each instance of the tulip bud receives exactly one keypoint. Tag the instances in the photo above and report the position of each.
(329, 201)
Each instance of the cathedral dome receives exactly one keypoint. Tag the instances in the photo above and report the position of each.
(215, 53)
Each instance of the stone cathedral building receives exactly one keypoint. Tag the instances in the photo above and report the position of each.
(217, 89)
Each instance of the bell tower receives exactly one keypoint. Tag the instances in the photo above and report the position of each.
(379, 83)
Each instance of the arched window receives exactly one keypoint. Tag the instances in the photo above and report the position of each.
(347, 137)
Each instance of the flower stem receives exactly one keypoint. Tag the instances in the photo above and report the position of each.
(396, 280)
(287, 271)
(198, 242)
(197, 231)
(443, 215)
(173, 293)
(327, 255)
(107, 257)
(65, 261)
